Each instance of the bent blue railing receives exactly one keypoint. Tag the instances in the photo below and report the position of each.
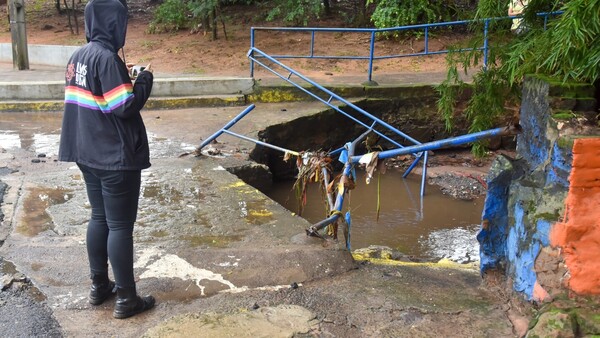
(254, 52)
(352, 159)
(225, 130)
(371, 57)
(335, 205)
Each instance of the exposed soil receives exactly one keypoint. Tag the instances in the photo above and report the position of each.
(195, 52)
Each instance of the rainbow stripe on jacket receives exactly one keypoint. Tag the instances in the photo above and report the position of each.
(106, 103)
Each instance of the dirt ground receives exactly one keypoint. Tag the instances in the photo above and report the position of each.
(195, 52)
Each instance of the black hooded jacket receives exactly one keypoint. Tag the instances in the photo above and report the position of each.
(102, 126)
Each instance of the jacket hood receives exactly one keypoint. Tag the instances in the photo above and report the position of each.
(106, 22)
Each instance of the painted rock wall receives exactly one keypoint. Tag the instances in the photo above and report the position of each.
(578, 235)
(526, 195)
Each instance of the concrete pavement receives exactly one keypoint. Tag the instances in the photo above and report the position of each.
(201, 231)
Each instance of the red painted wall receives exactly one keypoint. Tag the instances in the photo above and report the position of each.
(578, 235)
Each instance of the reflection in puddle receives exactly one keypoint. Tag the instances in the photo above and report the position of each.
(9, 139)
(161, 147)
(38, 143)
(255, 212)
(434, 227)
(48, 143)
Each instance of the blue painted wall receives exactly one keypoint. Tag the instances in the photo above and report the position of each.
(525, 195)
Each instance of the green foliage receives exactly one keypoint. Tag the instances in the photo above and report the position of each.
(296, 12)
(394, 13)
(567, 50)
(37, 5)
(491, 9)
(170, 16)
(575, 52)
(201, 9)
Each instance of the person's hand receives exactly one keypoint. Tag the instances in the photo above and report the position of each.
(149, 68)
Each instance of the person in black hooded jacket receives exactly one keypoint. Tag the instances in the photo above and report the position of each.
(103, 132)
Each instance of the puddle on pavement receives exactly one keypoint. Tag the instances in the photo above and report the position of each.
(161, 193)
(35, 218)
(434, 227)
(47, 142)
(38, 143)
(255, 212)
(37, 132)
(161, 147)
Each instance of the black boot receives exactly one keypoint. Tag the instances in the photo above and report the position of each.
(102, 289)
(129, 303)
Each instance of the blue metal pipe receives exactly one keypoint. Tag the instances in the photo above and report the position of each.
(453, 141)
(264, 144)
(334, 95)
(251, 48)
(341, 190)
(371, 53)
(412, 165)
(424, 174)
(426, 40)
(312, 44)
(335, 152)
(485, 44)
(227, 126)
(383, 57)
(391, 29)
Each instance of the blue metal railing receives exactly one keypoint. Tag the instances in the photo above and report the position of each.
(335, 205)
(254, 52)
(352, 159)
(371, 57)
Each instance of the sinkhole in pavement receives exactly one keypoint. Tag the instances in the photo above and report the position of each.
(433, 227)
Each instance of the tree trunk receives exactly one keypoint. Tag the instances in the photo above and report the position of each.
(69, 17)
(327, 7)
(215, 26)
(74, 11)
(18, 34)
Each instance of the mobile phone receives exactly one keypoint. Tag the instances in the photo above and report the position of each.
(135, 70)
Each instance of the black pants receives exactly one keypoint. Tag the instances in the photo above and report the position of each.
(113, 196)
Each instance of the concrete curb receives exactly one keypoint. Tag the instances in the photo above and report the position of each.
(210, 92)
(163, 87)
(153, 103)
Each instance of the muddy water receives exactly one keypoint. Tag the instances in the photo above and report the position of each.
(434, 227)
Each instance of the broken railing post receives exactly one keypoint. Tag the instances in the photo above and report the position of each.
(227, 126)
(336, 212)
(424, 147)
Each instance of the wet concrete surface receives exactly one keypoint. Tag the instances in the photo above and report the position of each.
(211, 248)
